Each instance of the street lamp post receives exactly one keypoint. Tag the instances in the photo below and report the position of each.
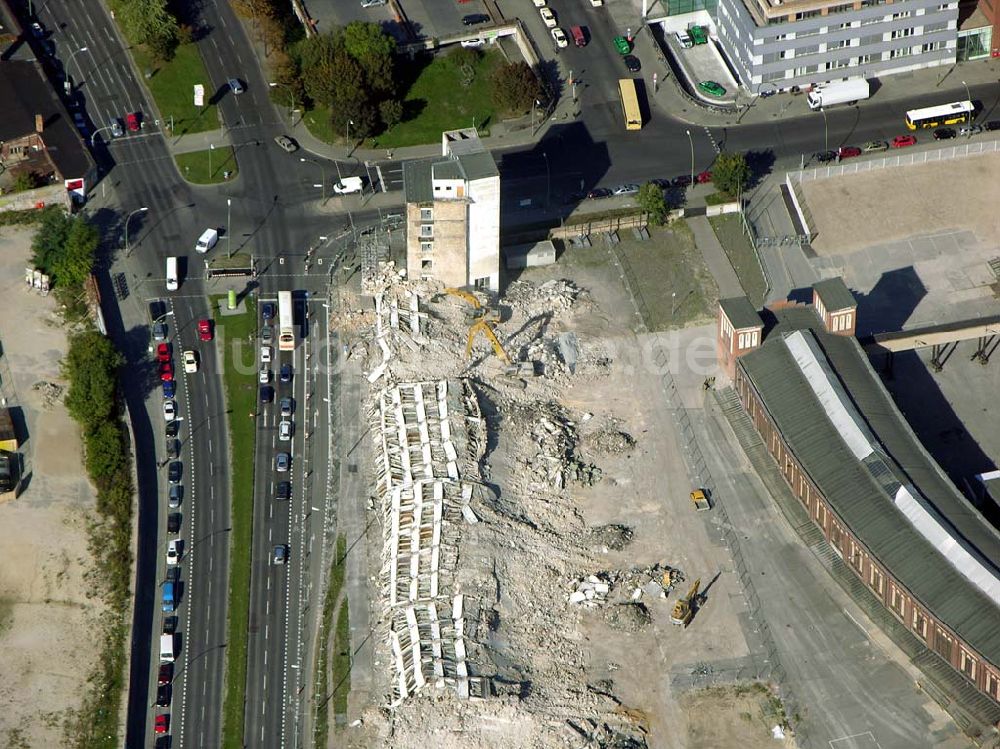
(691, 141)
(349, 148)
(68, 64)
(968, 97)
(291, 98)
(128, 250)
(826, 131)
(229, 227)
(322, 171)
(211, 149)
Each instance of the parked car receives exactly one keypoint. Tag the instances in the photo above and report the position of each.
(632, 63)
(992, 125)
(548, 17)
(849, 152)
(116, 127)
(37, 31)
(267, 311)
(373, 3)
(628, 189)
(169, 410)
(159, 331)
(264, 375)
(190, 361)
(163, 352)
(162, 723)
(683, 39)
(173, 551)
(132, 121)
(283, 490)
(163, 695)
(267, 335)
(599, 192)
(703, 178)
(285, 431)
(266, 394)
(875, 145)
(901, 141)
(539, 3)
(174, 470)
(169, 388)
(174, 496)
(969, 130)
(286, 373)
(473, 43)
(265, 354)
(173, 449)
(280, 555)
(174, 522)
(166, 674)
(825, 156)
(282, 462)
(944, 133)
(712, 88)
(683, 180)
(286, 143)
(236, 86)
(172, 429)
(169, 625)
(622, 45)
(204, 330)
(474, 19)
(579, 36)
(698, 34)
(287, 406)
(559, 37)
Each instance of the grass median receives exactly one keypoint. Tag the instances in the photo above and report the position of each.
(172, 86)
(330, 600)
(241, 401)
(208, 167)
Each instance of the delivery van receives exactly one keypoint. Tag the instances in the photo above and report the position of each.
(169, 602)
(349, 185)
(167, 648)
(579, 37)
(207, 240)
(173, 282)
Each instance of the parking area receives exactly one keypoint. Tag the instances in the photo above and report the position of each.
(699, 62)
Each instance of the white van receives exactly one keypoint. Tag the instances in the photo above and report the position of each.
(207, 240)
(349, 185)
(167, 648)
(173, 282)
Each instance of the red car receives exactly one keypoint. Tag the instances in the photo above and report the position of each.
(205, 330)
(162, 723)
(163, 352)
(166, 371)
(901, 141)
(847, 152)
(166, 674)
(704, 177)
(132, 120)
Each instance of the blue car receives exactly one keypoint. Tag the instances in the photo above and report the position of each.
(267, 311)
(169, 388)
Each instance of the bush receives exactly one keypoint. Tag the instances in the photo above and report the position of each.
(91, 366)
(391, 111)
(651, 200)
(730, 173)
(516, 87)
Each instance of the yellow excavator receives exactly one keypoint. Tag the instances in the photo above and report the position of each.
(482, 318)
(685, 607)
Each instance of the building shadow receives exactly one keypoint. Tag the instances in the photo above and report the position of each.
(890, 303)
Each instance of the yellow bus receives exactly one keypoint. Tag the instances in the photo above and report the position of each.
(958, 112)
(630, 104)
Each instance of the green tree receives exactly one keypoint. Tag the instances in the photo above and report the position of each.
(515, 87)
(76, 261)
(149, 22)
(104, 453)
(730, 173)
(90, 366)
(651, 200)
(24, 181)
(391, 111)
(50, 238)
(319, 58)
(374, 51)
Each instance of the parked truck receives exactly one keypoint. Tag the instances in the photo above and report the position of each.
(838, 92)
(8, 453)
(699, 498)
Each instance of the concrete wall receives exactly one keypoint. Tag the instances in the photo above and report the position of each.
(484, 231)
(446, 259)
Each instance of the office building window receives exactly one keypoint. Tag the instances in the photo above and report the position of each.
(426, 214)
(967, 663)
(904, 52)
(426, 265)
(993, 685)
(426, 246)
(943, 643)
(856, 558)
(919, 624)
(897, 601)
(876, 580)
(426, 230)
(901, 14)
(901, 33)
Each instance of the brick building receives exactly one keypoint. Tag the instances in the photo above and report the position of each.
(882, 503)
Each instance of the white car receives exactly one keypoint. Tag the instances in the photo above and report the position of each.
(597, 3)
(264, 376)
(190, 361)
(548, 17)
(473, 42)
(265, 354)
(173, 551)
(683, 39)
(539, 3)
(559, 37)
(285, 431)
(169, 410)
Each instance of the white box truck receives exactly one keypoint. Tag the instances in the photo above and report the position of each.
(838, 92)
(348, 185)
(207, 240)
(167, 648)
(173, 282)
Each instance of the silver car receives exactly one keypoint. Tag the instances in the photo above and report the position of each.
(286, 143)
(267, 335)
(282, 462)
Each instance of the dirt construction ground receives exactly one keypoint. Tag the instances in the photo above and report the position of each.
(860, 210)
(45, 607)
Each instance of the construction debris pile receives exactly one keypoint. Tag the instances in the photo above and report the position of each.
(619, 586)
(477, 468)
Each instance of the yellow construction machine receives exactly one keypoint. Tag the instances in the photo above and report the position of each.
(482, 319)
(685, 607)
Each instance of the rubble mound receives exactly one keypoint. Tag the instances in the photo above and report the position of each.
(612, 536)
(544, 299)
(549, 452)
(628, 617)
(611, 441)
